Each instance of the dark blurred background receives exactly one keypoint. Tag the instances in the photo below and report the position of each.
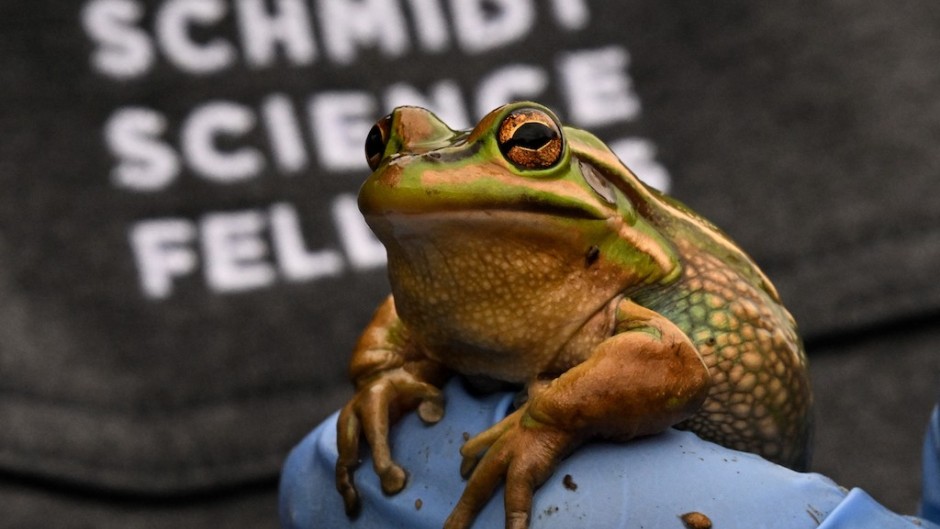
(183, 271)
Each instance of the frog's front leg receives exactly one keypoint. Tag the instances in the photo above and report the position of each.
(391, 378)
(640, 381)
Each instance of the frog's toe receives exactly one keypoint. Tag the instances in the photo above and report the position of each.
(523, 456)
(525, 475)
(477, 493)
(477, 445)
(348, 431)
(467, 464)
(522, 474)
(393, 478)
(347, 489)
(431, 408)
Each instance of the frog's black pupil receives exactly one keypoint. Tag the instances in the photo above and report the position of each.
(532, 135)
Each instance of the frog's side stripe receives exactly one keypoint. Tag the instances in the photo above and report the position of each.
(578, 202)
(645, 199)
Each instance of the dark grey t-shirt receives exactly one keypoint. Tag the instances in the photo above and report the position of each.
(184, 270)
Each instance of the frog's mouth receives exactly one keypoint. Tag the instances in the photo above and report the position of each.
(545, 223)
(506, 214)
(439, 195)
(522, 207)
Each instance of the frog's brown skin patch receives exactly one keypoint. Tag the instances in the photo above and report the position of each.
(696, 520)
(413, 125)
(418, 504)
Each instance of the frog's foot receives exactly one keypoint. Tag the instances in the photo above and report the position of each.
(372, 409)
(519, 450)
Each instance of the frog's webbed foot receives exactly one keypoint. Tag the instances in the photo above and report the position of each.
(659, 380)
(372, 409)
(518, 450)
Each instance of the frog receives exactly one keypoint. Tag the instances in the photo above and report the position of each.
(523, 253)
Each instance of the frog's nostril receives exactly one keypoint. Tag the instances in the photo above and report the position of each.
(377, 140)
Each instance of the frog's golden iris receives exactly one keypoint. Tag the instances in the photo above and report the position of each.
(530, 139)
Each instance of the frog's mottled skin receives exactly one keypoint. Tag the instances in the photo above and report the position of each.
(526, 253)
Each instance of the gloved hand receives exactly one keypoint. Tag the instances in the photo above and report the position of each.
(649, 482)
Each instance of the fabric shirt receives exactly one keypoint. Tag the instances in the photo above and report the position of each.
(184, 271)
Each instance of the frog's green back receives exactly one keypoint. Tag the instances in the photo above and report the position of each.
(670, 216)
(760, 399)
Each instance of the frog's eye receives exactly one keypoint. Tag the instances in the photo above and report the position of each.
(530, 139)
(377, 140)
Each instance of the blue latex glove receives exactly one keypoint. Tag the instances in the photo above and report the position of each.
(648, 482)
(930, 506)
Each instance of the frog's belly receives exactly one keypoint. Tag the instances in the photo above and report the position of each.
(493, 294)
